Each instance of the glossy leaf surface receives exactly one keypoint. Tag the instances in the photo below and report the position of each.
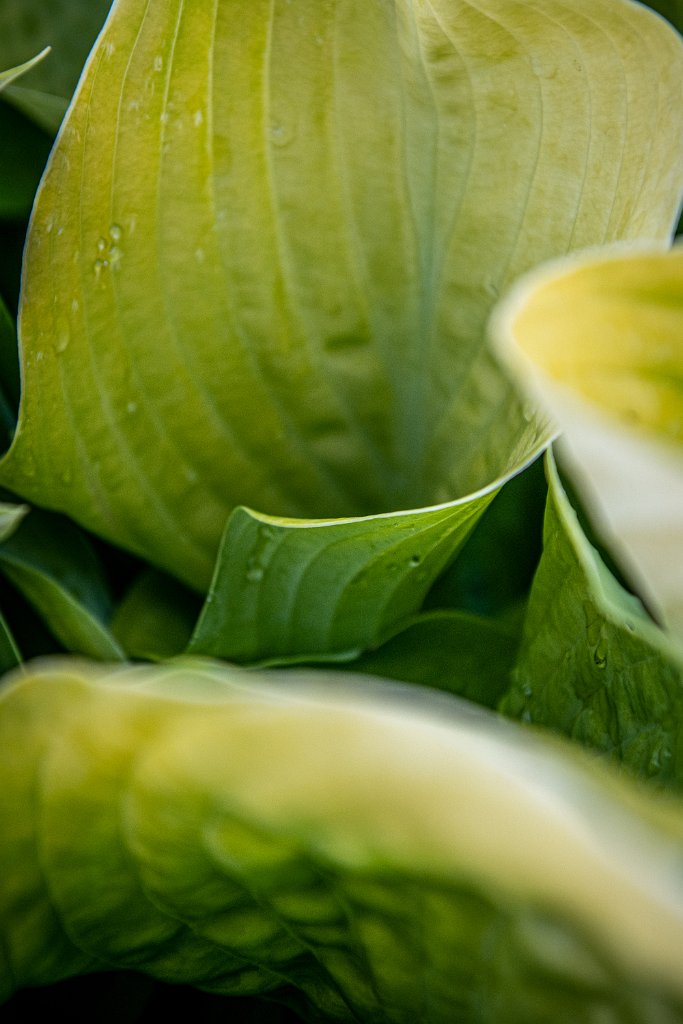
(280, 228)
(593, 665)
(306, 588)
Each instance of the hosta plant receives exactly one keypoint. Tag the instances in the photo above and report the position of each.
(290, 351)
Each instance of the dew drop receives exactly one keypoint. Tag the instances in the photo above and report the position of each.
(115, 232)
(109, 49)
(199, 255)
(62, 344)
(115, 255)
(158, 62)
(40, 356)
(99, 266)
(414, 561)
(198, 118)
(280, 135)
(49, 226)
(255, 575)
(75, 305)
(101, 244)
(132, 407)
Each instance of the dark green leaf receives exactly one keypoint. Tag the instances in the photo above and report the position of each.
(592, 665)
(50, 561)
(156, 617)
(466, 655)
(24, 149)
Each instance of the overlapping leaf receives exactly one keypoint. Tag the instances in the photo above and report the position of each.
(592, 664)
(279, 229)
(286, 588)
(69, 27)
(395, 859)
(612, 374)
(51, 562)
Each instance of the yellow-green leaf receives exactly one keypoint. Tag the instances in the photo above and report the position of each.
(270, 234)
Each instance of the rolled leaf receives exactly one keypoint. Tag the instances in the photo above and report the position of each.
(278, 230)
(393, 858)
(611, 372)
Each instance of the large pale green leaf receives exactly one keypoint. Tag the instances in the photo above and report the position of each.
(612, 375)
(278, 229)
(592, 664)
(397, 860)
(10, 519)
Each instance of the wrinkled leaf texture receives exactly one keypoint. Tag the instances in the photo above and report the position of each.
(279, 230)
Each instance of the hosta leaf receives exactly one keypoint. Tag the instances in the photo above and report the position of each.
(10, 655)
(45, 109)
(464, 654)
(592, 664)
(9, 370)
(42, 107)
(395, 859)
(612, 375)
(68, 27)
(24, 149)
(11, 74)
(53, 565)
(156, 617)
(11, 517)
(279, 228)
(485, 579)
(308, 588)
